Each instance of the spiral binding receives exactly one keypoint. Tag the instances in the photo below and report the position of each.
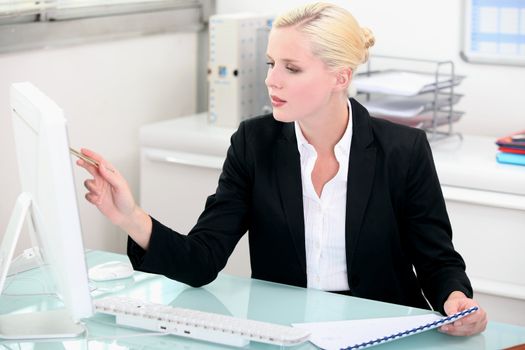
(412, 331)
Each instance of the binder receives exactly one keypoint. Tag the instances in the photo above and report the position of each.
(510, 158)
(361, 334)
(511, 150)
(514, 141)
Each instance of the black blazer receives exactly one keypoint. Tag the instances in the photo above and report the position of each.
(396, 218)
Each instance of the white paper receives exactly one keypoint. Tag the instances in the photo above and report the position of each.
(405, 107)
(400, 83)
(343, 334)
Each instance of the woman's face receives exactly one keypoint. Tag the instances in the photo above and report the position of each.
(299, 84)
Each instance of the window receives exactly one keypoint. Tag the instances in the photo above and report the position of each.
(32, 24)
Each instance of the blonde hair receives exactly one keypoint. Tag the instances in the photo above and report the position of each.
(336, 37)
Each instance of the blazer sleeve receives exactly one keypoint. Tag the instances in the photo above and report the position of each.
(440, 269)
(197, 258)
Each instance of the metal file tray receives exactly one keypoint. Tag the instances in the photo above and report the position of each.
(426, 120)
(421, 96)
(408, 107)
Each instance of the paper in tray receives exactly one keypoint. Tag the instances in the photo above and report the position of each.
(406, 107)
(402, 83)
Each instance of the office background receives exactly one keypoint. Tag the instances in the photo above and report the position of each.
(110, 88)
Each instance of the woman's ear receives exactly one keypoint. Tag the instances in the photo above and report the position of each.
(344, 78)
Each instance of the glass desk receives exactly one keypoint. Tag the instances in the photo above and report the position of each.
(230, 295)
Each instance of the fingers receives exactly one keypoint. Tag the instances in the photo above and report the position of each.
(105, 169)
(472, 324)
(100, 160)
(89, 167)
(92, 154)
(464, 330)
(456, 302)
(92, 198)
(470, 319)
(108, 190)
(96, 185)
(91, 186)
(110, 175)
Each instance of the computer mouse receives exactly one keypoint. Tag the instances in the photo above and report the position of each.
(112, 270)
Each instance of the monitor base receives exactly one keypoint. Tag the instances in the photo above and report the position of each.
(40, 325)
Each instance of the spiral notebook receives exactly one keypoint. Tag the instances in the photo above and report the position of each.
(360, 334)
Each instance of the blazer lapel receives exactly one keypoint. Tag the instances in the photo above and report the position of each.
(288, 168)
(361, 170)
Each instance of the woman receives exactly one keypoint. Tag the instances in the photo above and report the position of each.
(332, 198)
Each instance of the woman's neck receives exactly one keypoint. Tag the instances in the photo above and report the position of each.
(323, 131)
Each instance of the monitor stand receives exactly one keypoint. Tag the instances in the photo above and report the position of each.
(30, 259)
(39, 325)
(35, 325)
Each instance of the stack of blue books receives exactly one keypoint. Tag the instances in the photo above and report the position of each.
(512, 149)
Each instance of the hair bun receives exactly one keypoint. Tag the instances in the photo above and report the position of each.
(368, 37)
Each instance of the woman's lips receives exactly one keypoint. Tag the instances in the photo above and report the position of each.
(276, 101)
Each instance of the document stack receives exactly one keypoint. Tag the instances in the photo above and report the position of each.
(512, 149)
(422, 99)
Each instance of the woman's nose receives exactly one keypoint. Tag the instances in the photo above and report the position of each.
(272, 79)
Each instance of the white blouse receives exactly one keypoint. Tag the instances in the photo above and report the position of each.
(325, 217)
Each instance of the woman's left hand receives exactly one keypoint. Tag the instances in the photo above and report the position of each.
(472, 324)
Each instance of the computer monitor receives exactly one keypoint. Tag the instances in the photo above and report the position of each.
(49, 201)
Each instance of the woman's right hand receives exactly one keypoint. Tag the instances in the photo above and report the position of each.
(109, 191)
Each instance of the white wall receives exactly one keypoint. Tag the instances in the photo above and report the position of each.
(107, 91)
(430, 29)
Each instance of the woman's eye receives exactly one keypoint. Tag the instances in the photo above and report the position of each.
(270, 64)
(292, 69)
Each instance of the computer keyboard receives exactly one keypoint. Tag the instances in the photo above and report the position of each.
(195, 324)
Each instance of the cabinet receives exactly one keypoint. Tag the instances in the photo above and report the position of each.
(180, 163)
(486, 205)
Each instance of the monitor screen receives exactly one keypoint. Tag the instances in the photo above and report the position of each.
(46, 176)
